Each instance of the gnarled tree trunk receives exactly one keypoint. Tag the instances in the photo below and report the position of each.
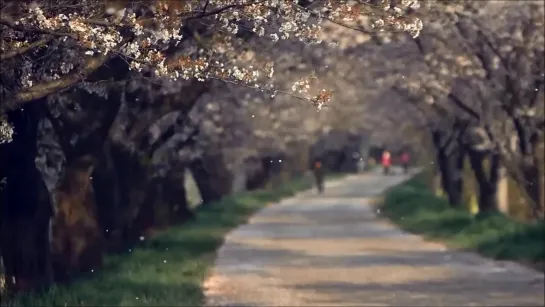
(212, 178)
(175, 194)
(487, 180)
(122, 184)
(108, 198)
(136, 214)
(450, 166)
(78, 238)
(533, 183)
(257, 174)
(25, 207)
(529, 140)
(77, 241)
(540, 184)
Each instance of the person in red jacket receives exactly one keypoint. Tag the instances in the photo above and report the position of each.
(405, 158)
(386, 161)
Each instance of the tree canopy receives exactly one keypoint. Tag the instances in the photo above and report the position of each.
(48, 46)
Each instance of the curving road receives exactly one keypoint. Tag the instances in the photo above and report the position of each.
(335, 250)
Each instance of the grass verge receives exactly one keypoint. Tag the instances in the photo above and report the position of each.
(416, 209)
(168, 269)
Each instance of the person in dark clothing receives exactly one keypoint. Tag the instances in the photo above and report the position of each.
(318, 175)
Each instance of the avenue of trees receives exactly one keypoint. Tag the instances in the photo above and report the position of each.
(105, 106)
(474, 82)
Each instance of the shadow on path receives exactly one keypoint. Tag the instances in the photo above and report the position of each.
(314, 250)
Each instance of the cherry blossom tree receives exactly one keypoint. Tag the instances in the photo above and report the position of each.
(85, 35)
(511, 57)
(76, 62)
(475, 73)
(494, 68)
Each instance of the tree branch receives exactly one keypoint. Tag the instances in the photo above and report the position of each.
(19, 51)
(182, 101)
(7, 21)
(466, 108)
(43, 89)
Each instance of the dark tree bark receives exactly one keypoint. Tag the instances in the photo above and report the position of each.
(77, 241)
(26, 205)
(41, 90)
(77, 238)
(108, 197)
(175, 194)
(531, 148)
(276, 169)
(450, 159)
(122, 185)
(458, 184)
(487, 180)
(533, 184)
(267, 170)
(134, 181)
(203, 180)
(257, 175)
(212, 178)
(135, 198)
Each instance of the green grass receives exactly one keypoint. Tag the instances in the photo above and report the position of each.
(165, 270)
(414, 208)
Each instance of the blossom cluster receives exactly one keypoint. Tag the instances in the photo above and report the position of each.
(142, 32)
(6, 130)
(44, 42)
(387, 15)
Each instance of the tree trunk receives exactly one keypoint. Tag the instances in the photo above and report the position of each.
(175, 194)
(530, 144)
(134, 182)
(487, 184)
(108, 198)
(456, 185)
(450, 164)
(257, 174)
(540, 184)
(278, 164)
(25, 208)
(77, 241)
(165, 200)
(445, 171)
(146, 218)
(211, 177)
(451, 167)
(203, 181)
(533, 183)
(128, 195)
(503, 190)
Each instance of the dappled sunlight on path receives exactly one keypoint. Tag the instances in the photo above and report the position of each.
(333, 250)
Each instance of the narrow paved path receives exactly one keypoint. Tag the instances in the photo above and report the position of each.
(335, 250)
